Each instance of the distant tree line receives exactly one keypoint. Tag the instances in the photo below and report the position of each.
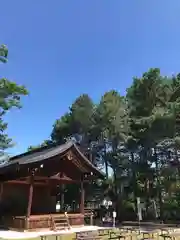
(137, 136)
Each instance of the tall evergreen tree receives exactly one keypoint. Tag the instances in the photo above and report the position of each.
(10, 96)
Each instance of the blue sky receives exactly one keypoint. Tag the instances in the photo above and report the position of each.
(60, 49)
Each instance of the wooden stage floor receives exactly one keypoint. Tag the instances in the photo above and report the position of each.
(44, 221)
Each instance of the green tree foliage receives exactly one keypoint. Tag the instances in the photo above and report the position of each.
(3, 53)
(137, 136)
(76, 123)
(45, 143)
(10, 96)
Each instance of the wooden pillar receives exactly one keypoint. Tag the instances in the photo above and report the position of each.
(30, 198)
(62, 196)
(1, 191)
(82, 197)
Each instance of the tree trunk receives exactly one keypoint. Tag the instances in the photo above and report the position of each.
(158, 184)
(147, 195)
(134, 182)
(106, 169)
(106, 162)
(177, 162)
(117, 203)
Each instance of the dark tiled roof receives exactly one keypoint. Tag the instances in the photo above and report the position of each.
(45, 153)
(41, 154)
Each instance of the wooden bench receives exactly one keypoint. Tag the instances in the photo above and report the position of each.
(165, 236)
(89, 238)
(147, 234)
(104, 232)
(89, 235)
(117, 235)
(172, 235)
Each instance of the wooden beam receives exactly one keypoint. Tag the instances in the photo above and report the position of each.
(55, 178)
(26, 183)
(45, 183)
(62, 178)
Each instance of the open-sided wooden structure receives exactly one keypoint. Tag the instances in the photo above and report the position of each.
(27, 181)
